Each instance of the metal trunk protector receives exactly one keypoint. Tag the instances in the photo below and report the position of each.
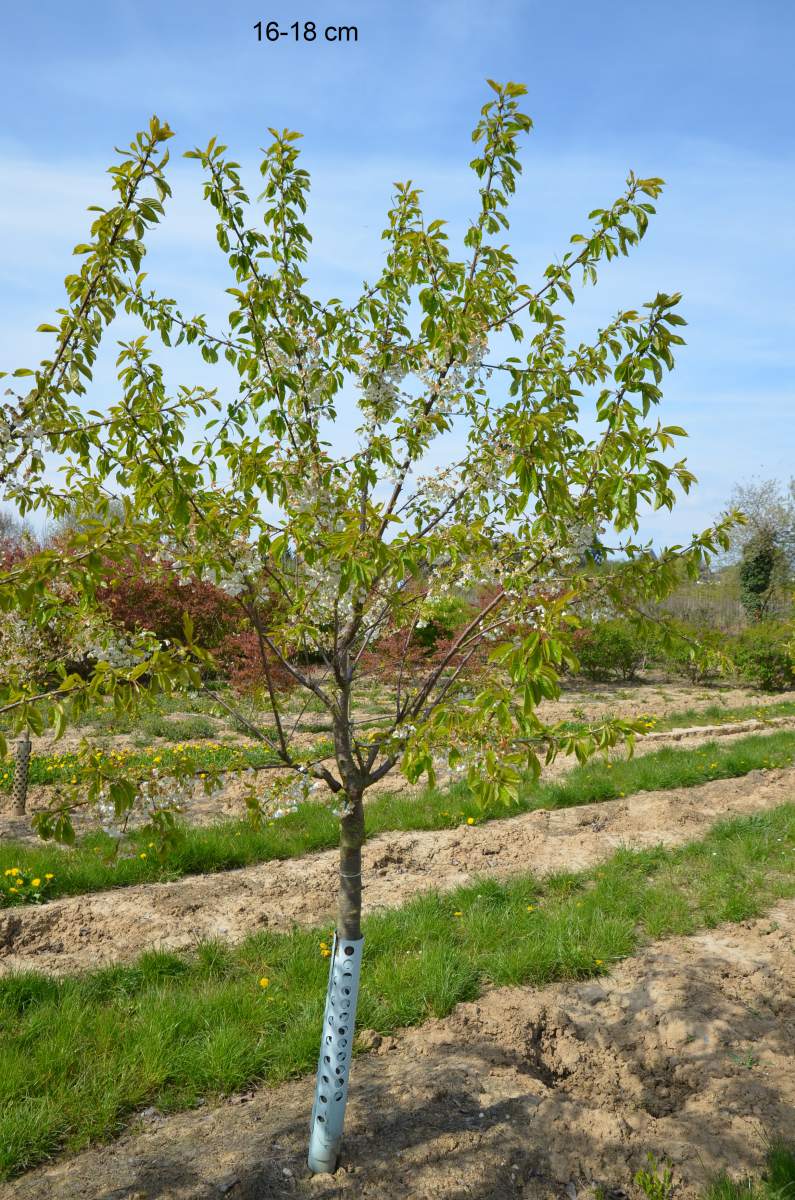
(336, 1045)
(21, 772)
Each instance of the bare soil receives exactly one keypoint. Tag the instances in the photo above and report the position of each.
(82, 932)
(687, 1051)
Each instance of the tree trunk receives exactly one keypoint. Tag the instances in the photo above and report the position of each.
(349, 908)
(339, 1018)
(21, 764)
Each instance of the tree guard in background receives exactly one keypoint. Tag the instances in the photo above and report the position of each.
(21, 771)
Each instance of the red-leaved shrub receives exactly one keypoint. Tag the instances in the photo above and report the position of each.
(146, 595)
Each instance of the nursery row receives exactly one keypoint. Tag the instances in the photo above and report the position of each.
(99, 862)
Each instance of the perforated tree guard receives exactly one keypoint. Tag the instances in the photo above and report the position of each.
(336, 1043)
(21, 769)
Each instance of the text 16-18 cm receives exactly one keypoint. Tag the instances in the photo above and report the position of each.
(305, 31)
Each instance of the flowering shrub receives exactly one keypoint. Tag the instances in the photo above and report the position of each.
(20, 886)
(25, 647)
(71, 637)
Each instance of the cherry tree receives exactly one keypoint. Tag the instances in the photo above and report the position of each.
(359, 464)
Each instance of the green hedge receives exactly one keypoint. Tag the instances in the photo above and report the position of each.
(765, 655)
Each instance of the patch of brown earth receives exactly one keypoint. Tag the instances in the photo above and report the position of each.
(687, 1051)
(82, 932)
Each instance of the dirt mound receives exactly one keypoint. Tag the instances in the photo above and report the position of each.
(83, 932)
(687, 1050)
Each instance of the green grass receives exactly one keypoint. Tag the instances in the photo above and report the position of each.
(102, 717)
(79, 1055)
(776, 1182)
(312, 827)
(177, 729)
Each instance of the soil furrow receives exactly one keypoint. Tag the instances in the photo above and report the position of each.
(82, 932)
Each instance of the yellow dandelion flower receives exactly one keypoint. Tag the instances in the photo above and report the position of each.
(531, 908)
(14, 871)
(264, 981)
(470, 820)
(143, 854)
(458, 914)
(35, 883)
(49, 875)
(600, 962)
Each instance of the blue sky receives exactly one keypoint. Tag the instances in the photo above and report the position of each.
(696, 92)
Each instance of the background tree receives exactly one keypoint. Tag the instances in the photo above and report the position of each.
(764, 545)
(338, 539)
(758, 568)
